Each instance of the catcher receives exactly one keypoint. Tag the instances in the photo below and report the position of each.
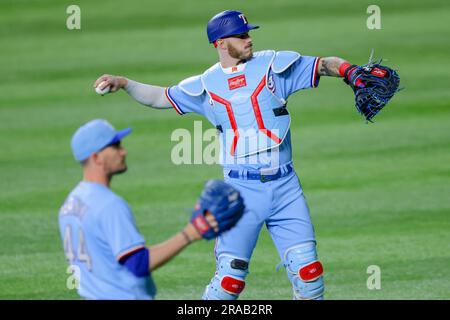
(101, 242)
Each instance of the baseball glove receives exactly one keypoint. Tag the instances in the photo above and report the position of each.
(373, 84)
(223, 202)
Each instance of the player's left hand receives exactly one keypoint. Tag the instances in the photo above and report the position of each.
(374, 85)
(219, 208)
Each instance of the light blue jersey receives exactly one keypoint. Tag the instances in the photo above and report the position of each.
(98, 229)
(272, 77)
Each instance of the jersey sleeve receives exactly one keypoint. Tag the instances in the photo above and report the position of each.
(120, 230)
(302, 74)
(184, 103)
(137, 262)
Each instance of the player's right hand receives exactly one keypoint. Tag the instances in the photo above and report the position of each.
(114, 82)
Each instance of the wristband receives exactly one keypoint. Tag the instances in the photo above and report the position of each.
(346, 69)
(188, 240)
(343, 67)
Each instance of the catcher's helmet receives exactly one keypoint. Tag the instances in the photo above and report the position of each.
(227, 23)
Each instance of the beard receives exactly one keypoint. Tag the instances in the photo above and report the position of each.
(118, 170)
(241, 55)
(121, 170)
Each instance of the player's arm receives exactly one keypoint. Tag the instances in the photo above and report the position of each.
(338, 67)
(145, 260)
(332, 66)
(163, 252)
(228, 207)
(146, 94)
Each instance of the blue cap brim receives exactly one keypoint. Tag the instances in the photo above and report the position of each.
(243, 29)
(251, 27)
(120, 135)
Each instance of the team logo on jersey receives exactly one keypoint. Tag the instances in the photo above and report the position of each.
(271, 84)
(237, 82)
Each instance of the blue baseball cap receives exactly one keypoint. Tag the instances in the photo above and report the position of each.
(227, 23)
(93, 137)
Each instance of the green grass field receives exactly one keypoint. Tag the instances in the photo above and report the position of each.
(379, 194)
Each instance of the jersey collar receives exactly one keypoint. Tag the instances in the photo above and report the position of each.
(235, 69)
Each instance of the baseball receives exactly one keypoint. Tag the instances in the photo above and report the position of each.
(102, 91)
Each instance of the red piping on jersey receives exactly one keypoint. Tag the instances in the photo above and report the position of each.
(130, 252)
(166, 91)
(227, 105)
(315, 73)
(257, 111)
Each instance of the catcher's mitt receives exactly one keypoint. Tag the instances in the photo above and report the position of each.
(223, 202)
(373, 84)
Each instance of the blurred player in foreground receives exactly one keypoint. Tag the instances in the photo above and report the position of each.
(98, 229)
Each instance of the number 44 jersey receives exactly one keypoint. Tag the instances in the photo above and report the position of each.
(98, 229)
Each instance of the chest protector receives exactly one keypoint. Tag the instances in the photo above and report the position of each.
(249, 116)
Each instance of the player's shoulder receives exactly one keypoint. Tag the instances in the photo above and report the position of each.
(283, 60)
(192, 86)
(100, 198)
(114, 202)
(114, 208)
(279, 61)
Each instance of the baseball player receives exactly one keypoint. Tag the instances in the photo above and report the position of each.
(245, 97)
(97, 227)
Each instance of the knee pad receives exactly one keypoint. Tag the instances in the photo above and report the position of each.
(229, 280)
(304, 271)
